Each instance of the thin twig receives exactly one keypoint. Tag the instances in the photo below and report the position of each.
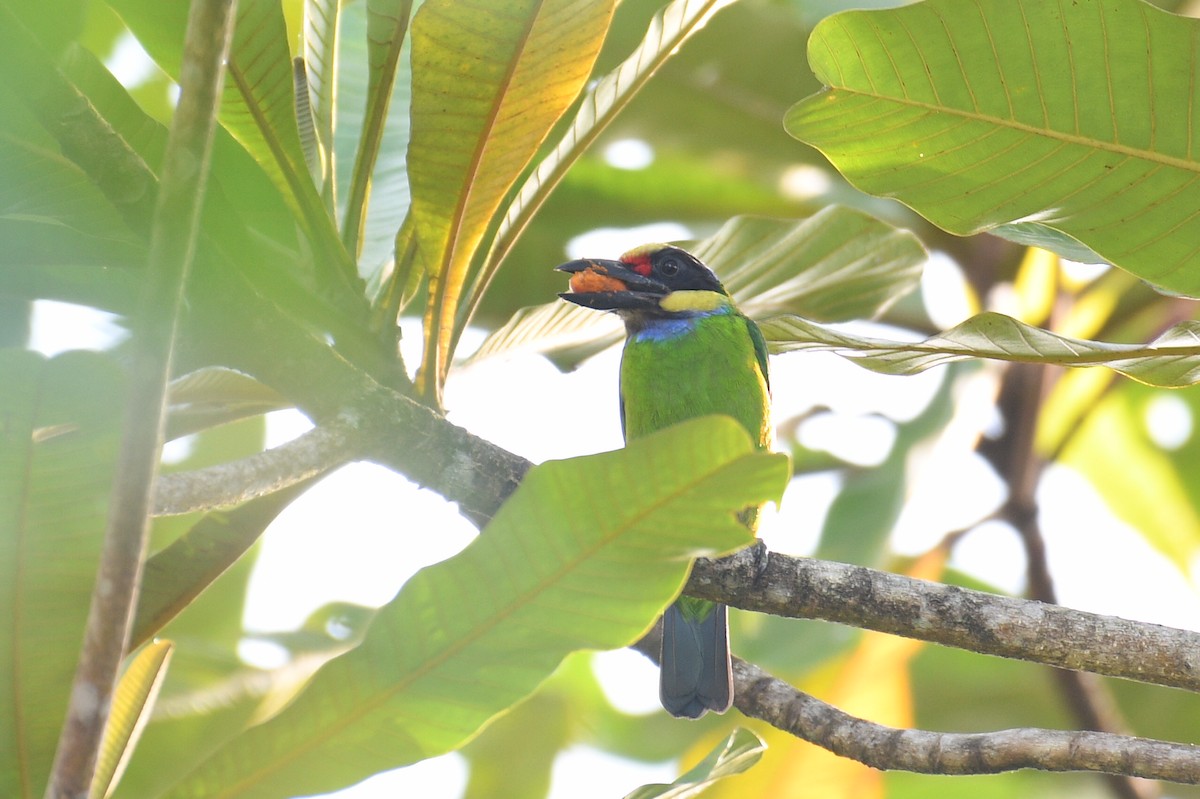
(235, 482)
(759, 695)
(172, 244)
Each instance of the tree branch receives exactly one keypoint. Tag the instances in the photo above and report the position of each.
(759, 695)
(946, 614)
(235, 482)
(762, 696)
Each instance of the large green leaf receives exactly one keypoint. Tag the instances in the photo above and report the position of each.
(583, 555)
(1171, 360)
(837, 265)
(489, 81)
(57, 450)
(258, 110)
(259, 107)
(738, 752)
(1049, 122)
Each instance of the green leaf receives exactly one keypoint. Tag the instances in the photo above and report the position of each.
(836, 265)
(737, 753)
(62, 238)
(862, 517)
(134, 697)
(373, 129)
(178, 574)
(57, 450)
(321, 66)
(386, 26)
(1172, 360)
(561, 567)
(489, 81)
(215, 395)
(258, 107)
(1034, 119)
(258, 110)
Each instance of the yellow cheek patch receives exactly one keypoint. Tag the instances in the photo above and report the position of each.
(681, 301)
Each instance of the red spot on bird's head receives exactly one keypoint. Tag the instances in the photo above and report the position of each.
(638, 259)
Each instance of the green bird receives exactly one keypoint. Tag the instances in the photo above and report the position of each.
(688, 352)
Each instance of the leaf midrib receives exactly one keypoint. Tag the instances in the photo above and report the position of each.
(1049, 133)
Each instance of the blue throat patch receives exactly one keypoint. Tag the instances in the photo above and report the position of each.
(671, 327)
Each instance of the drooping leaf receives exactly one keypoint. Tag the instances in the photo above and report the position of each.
(509, 72)
(561, 567)
(57, 452)
(1051, 123)
(372, 129)
(132, 702)
(737, 753)
(837, 265)
(1171, 360)
(178, 574)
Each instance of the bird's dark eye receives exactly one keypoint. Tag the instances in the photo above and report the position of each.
(668, 267)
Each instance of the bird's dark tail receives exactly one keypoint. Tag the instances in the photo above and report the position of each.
(697, 674)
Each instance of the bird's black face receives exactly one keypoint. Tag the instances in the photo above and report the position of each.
(639, 280)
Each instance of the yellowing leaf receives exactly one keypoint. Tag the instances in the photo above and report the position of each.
(1036, 285)
(132, 703)
(489, 81)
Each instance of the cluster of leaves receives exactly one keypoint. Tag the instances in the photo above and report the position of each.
(373, 162)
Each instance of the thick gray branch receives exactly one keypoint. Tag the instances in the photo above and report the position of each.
(945, 614)
(385, 427)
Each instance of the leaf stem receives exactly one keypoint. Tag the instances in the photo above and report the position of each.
(172, 244)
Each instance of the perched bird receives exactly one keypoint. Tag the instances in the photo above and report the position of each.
(688, 352)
